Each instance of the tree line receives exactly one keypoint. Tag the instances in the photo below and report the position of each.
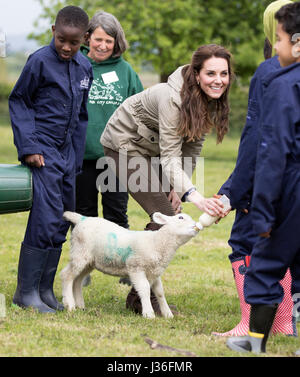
(166, 32)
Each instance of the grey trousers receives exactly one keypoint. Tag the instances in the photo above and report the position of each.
(153, 197)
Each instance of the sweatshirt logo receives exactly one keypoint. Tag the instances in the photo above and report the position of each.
(105, 94)
(84, 84)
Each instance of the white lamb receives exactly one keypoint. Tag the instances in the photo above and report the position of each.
(140, 255)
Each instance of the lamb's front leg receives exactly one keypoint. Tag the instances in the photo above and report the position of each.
(158, 290)
(142, 286)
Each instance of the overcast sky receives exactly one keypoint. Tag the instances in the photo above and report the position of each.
(17, 16)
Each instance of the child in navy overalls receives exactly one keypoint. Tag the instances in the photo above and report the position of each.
(276, 194)
(49, 119)
(239, 188)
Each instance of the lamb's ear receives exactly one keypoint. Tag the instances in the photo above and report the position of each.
(159, 218)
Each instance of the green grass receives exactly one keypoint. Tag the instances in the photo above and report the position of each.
(199, 281)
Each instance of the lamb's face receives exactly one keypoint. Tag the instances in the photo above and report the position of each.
(180, 225)
(184, 225)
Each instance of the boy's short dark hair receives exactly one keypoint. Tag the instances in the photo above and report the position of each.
(72, 16)
(289, 17)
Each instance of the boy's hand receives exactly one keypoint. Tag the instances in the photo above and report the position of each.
(217, 196)
(36, 160)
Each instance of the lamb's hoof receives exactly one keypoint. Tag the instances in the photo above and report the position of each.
(168, 314)
(69, 307)
(149, 315)
(81, 306)
(173, 310)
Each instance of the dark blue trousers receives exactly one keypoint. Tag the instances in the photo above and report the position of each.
(271, 257)
(53, 193)
(242, 237)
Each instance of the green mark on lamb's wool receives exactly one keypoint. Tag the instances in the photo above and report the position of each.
(114, 251)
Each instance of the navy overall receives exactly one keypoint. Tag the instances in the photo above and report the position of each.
(49, 117)
(276, 195)
(239, 186)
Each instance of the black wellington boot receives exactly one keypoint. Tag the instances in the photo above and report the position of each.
(47, 280)
(31, 265)
(261, 321)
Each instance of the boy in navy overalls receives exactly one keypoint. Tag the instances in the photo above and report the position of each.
(239, 188)
(49, 119)
(276, 195)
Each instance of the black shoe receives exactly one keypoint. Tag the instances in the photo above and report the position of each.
(133, 302)
(30, 269)
(47, 280)
(261, 321)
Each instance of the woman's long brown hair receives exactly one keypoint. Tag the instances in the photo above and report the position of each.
(199, 114)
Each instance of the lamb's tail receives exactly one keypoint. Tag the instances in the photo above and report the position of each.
(74, 217)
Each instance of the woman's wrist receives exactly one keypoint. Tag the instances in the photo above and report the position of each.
(195, 197)
(188, 193)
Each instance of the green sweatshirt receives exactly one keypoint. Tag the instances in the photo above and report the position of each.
(114, 81)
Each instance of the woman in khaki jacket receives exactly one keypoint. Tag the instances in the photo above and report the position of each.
(149, 137)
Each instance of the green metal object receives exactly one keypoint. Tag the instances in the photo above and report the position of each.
(15, 188)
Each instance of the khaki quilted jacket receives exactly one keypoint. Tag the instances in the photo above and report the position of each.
(146, 125)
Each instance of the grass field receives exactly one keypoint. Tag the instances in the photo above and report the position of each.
(199, 281)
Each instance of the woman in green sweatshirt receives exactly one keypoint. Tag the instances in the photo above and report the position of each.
(114, 81)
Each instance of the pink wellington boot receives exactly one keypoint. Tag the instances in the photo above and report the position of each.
(239, 269)
(284, 322)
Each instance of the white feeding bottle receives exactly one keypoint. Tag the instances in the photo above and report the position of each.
(206, 220)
